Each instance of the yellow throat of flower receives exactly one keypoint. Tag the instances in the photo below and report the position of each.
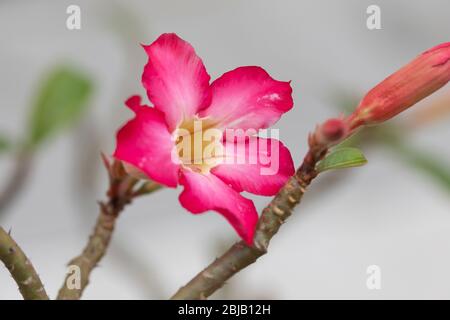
(198, 144)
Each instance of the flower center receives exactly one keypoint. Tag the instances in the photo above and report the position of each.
(198, 144)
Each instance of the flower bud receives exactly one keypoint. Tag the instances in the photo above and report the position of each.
(331, 131)
(412, 83)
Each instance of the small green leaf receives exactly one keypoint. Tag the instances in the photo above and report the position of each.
(5, 144)
(59, 104)
(342, 158)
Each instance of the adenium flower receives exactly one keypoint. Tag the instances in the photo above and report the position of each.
(418, 79)
(245, 98)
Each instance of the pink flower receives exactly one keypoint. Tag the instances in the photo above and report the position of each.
(245, 98)
(418, 79)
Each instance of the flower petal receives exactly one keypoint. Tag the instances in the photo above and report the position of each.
(203, 192)
(247, 97)
(175, 79)
(146, 143)
(257, 165)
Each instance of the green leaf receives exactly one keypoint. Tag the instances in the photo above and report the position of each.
(342, 158)
(5, 144)
(59, 104)
(424, 161)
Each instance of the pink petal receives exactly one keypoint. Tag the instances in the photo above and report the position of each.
(203, 192)
(175, 79)
(146, 143)
(257, 165)
(247, 97)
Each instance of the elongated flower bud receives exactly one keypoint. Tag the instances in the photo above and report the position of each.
(412, 83)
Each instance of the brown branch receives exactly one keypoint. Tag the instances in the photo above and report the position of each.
(239, 256)
(16, 182)
(121, 192)
(93, 252)
(21, 269)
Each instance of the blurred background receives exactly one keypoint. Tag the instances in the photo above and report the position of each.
(394, 212)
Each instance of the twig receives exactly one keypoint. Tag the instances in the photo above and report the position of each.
(239, 256)
(21, 269)
(121, 192)
(16, 181)
(146, 188)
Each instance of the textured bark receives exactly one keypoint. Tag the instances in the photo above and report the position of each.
(121, 192)
(21, 269)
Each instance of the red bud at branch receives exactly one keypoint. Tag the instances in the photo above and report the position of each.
(331, 131)
(412, 83)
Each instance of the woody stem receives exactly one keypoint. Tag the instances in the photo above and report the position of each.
(120, 193)
(21, 269)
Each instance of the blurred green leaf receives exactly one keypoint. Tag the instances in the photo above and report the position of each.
(59, 104)
(5, 144)
(345, 101)
(342, 158)
(423, 161)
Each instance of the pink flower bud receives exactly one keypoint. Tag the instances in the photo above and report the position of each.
(331, 131)
(412, 83)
